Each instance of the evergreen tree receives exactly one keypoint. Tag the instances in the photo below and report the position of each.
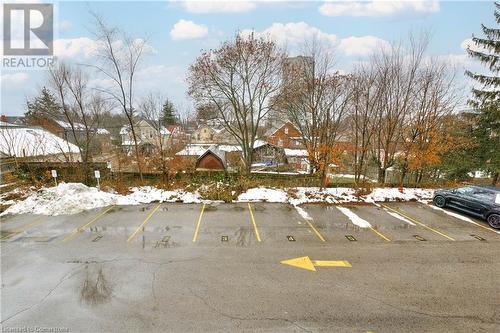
(43, 106)
(168, 113)
(486, 97)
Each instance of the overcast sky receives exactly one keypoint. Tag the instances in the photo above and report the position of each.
(177, 31)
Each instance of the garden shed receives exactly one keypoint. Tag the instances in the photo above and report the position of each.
(213, 159)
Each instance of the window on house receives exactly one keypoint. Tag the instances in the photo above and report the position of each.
(280, 143)
(286, 130)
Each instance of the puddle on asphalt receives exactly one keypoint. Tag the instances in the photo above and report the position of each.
(165, 242)
(95, 288)
(243, 236)
(210, 208)
(5, 234)
(258, 208)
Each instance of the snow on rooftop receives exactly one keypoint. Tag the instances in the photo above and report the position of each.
(67, 125)
(296, 152)
(29, 142)
(3, 123)
(102, 131)
(125, 129)
(164, 131)
(192, 150)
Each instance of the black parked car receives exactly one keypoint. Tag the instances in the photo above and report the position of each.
(481, 201)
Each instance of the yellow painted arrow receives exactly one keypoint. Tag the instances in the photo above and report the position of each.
(307, 263)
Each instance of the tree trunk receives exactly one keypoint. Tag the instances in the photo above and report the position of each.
(495, 179)
(381, 175)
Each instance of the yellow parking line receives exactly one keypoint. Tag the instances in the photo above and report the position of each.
(80, 228)
(23, 228)
(315, 231)
(26, 227)
(417, 222)
(482, 226)
(254, 224)
(195, 236)
(380, 234)
(143, 223)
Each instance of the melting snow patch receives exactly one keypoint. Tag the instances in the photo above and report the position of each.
(354, 218)
(399, 217)
(456, 215)
(302, 212)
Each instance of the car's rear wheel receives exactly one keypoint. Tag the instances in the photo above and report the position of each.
(494, 220)
(439, 201)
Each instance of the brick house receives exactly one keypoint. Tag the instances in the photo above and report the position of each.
(285, 136)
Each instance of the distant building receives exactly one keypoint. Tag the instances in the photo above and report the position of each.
(206, 134)
(268, 155)
(212, 159)
(149, 136)
(13, 120)
(203, 134)
(285, 135)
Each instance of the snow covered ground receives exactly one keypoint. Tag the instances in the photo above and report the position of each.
(72, 198)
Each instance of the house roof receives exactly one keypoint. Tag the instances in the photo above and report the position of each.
(18, 120)
(214, 150)
(274, 129)
(196, 149)
(67, 125)
(32, 141)
(192, 150)
(163, 130)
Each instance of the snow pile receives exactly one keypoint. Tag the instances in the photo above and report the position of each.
(327, 195)
(263, 194)
(147, 194)
(393, 194)
(301, 195)
(72, 198)
(68, 198)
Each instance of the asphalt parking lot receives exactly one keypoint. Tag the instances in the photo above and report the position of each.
(250, 267)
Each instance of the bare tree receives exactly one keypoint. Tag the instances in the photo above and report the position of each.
(397, 74)
(363, 106)
(239, 79)
(152, 111)
(434, 98)
(81, 108)
(316, 100)
(120, 56)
